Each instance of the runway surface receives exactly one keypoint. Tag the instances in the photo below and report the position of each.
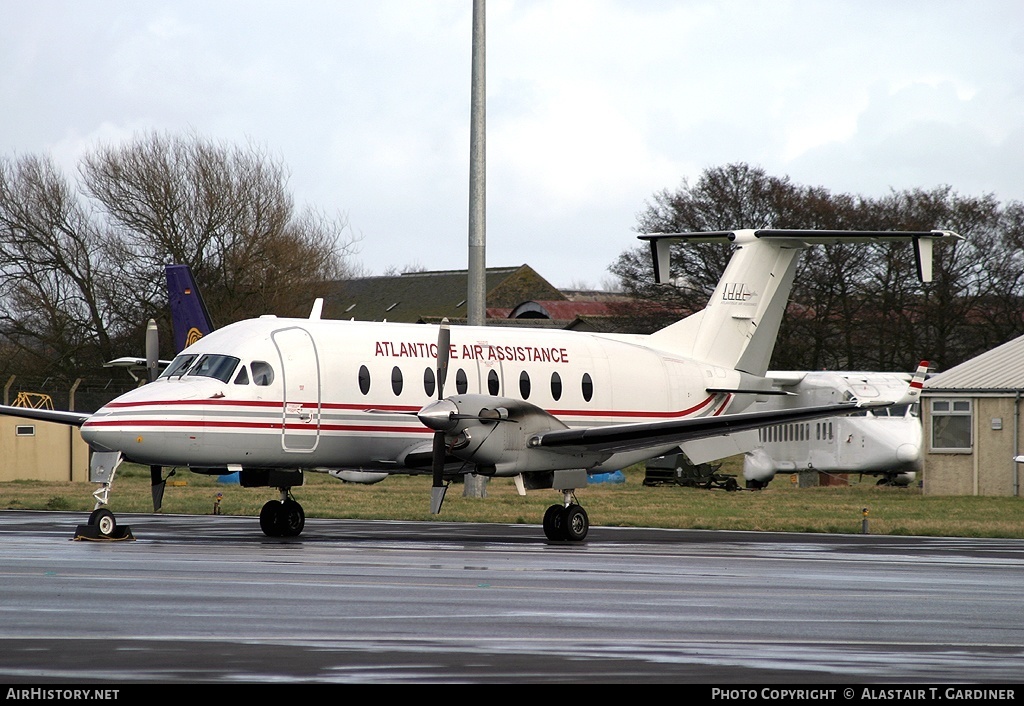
(209, 599)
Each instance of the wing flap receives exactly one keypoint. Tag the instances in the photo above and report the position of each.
(631, 437)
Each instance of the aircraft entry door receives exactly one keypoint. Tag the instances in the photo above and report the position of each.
(300, 366)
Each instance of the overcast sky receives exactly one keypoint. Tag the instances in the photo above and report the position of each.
(593, 106)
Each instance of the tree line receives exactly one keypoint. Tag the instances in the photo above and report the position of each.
(82, 261)
(853, 307)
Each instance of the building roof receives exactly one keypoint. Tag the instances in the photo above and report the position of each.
(516, 296)
(998, 370)
(415, 297)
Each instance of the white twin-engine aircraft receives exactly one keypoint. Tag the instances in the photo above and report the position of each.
(884, 442)
(271, 398)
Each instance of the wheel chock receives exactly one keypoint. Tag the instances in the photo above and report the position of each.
(91, 533)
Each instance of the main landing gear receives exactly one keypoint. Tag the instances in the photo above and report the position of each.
(566, 522)
(282, 518)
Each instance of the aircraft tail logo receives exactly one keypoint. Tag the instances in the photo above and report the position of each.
(189, 315)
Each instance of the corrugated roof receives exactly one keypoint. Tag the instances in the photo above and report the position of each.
(1001, 368)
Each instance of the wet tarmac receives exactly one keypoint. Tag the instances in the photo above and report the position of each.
(210, 599)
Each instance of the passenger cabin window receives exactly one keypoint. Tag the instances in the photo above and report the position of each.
(364, 379)
(461, 382)
(219, 367)
(428, 381)
(588, 387)
(524, 385)
(262, 373)
(396, 380)
(556, 386)
(492, 382)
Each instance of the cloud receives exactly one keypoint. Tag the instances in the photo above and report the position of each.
(593, 106)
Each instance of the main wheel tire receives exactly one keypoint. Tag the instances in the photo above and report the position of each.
(291, 519)
(575, 523)
(270, 518)
(554, 522)
(103, 520)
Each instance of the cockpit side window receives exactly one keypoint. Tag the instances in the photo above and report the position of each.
(179, 365)
(262, 373)
(219, 367)
(243, 376)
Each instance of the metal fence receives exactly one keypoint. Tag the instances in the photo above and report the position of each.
(77, 395)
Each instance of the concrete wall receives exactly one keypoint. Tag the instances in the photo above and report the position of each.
(53, 452)
(989, 469)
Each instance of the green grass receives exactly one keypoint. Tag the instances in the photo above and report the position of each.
(781, 507)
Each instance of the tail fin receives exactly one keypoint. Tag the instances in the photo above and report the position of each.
(190, 318)
(739, 326)
(916, 384)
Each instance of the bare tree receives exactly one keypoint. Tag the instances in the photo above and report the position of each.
(223, 210)
(851, 307)
(56, 310)
(82, 268)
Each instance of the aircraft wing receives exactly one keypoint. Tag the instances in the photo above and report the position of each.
(75, 419)
(134, 364)
(631, 437)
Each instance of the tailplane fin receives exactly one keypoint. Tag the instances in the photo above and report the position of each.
(189, 315)
(738, 328)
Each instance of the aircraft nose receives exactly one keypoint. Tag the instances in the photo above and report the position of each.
(99, 438)
(439, 416)
(907, 453)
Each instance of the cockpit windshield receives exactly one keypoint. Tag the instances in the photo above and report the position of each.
(178, 366)
(211, 366)
(215, 366)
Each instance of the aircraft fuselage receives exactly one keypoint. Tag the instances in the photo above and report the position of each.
(325, 394)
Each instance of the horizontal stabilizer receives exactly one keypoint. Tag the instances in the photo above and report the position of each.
(922, 240)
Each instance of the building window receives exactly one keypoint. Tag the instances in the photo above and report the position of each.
(951, 425)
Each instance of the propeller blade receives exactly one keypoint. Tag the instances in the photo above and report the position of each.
(437, 466)
(152, 350)
(444, 339)
(157, 483)
(437, 452)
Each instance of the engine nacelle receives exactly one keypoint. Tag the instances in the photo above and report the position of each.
(493, 433)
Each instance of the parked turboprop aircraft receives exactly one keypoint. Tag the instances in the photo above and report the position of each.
(883, 442)
(272, 398)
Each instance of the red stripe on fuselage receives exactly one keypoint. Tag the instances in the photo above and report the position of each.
(626, 414)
